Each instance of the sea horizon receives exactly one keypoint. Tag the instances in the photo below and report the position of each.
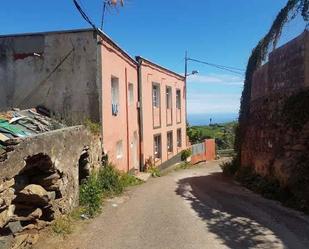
(217, 118)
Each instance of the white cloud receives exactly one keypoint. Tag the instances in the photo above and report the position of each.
(223, 79)
(213, 103)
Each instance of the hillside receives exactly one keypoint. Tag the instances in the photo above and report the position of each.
(223, 133)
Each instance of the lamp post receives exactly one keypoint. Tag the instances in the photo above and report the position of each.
(186, 76)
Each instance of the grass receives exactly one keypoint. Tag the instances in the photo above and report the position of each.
(154, 171)
(183, 165)
(63, 225)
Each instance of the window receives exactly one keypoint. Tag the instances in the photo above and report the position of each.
(119, 150)
(156, 95)
(131, 94)
(115, 95)
(157, 146)
(168, 97)
(170, 141)
(179, 138)
(178, 99)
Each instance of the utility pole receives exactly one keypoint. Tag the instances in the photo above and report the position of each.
(186, 102)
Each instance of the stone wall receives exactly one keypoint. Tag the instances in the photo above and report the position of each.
(40, 177)
(272, 144)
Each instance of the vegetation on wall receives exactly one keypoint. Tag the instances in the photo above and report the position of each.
(259, 54)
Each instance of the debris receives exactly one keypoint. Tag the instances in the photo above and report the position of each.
(15, 227)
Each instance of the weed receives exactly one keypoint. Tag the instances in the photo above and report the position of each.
(62, 226)
(91, 195)
(95, 128)
(183, 165)
(154, 171)
(128, 180)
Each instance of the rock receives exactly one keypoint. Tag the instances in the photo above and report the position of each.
(6, 215)
(8, 196)
(15, 227)
(52, 195)
(36, 214)
(7, 184)
(33, 194)
(6, 242)
(40, 224)
(20, 241)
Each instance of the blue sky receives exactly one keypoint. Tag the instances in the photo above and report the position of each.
(222, 32)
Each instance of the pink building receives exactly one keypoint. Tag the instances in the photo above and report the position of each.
(83, 74)
(119, 106)
(163, 112)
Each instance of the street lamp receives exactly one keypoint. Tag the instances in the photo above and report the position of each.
(186, 76)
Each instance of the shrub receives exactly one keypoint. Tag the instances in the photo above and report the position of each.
(109, 180)
(185, 154)
(91, 195)
(230, 168)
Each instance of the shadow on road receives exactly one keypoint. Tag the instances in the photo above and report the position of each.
(222, 205)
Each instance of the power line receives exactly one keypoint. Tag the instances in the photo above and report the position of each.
(221, 67)
(83, 14)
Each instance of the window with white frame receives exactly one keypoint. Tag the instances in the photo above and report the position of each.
(168, 97)
(179, 138)
(119, 149)
(170, 141)
(156, 95)
(131, 93)
(115, 95)
(178, 99)
(157, 146)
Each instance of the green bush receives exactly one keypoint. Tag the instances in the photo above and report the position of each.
(107, 181)
(230, 168)
(90, 195)
(185, 154)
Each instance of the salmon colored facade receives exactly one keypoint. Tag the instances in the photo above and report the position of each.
(93, 78)
(163, 112)
(119, 106)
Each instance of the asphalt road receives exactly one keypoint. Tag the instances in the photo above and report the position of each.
(195, 208)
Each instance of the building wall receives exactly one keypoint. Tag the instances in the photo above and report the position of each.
(154, 121)
(124, 126)
(271, 144)
(56, 70)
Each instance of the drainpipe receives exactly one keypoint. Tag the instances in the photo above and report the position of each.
(140, 113)
(127, 121)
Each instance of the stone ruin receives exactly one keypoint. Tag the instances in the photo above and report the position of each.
(40, 177)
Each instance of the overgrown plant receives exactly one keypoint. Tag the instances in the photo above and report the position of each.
(185, 154)
(108, 181)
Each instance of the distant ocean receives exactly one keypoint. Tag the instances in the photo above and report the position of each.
(204, 119)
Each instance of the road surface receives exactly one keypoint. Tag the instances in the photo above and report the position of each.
(195, 208)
